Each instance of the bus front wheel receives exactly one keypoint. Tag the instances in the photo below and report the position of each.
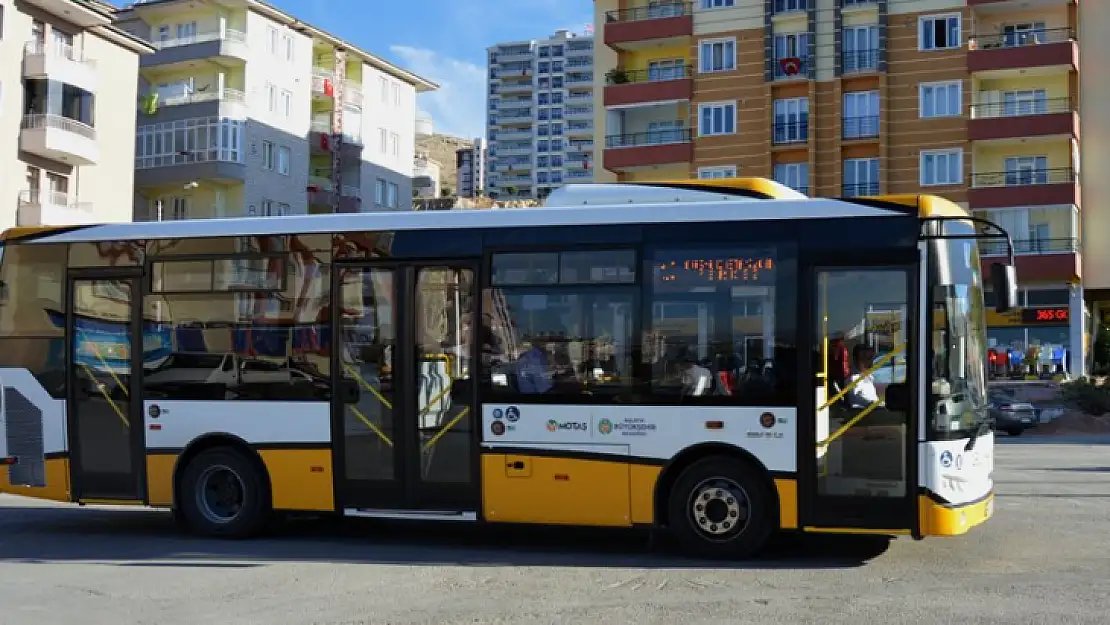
(224, 495)
(721, 508)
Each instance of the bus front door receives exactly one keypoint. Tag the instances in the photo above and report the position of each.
(858, 458)
(406, 387)
(104, 366)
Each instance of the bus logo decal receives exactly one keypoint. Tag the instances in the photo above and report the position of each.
(605, 426)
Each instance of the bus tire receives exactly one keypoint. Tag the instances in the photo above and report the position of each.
(721, 508)
(224, 495)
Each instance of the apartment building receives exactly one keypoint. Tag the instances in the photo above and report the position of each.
(541, 114)
(67, 88)
(973, 100)
(470, 168)
(247, 111)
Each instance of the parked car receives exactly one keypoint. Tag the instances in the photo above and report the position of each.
(1010, 415)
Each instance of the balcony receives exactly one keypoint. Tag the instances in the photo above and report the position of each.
(579, 112)
(513, 54)
(1012, 5)
(321, 194)
(580, 147)
(793, 67)
(323, 86)
(42, 208)
(580, 128)
(61, 63)
(505, 104)
(859, 61)
(515, 87)
(1004, 52)
(648, 25)
(516, 117)
(320, 142)
(514, 164)
(1020, 119)
(644, 149)
(511, 135)
(790, 132)
(579, 79)
(859, 127)
(1037, 260)
(59, 139)
(187, 104)
(642, 86)
(859, 189)
(1028, 187)
(225, 44)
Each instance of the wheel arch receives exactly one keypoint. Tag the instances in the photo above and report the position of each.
(687, 457)
(214, 440)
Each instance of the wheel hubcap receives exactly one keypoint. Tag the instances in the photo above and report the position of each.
(719, 508)
(221, 494)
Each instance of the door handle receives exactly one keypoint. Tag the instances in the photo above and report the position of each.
(518, 465)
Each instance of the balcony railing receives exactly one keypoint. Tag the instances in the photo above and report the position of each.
(803, 67)
(860, 127)
(580, 146)
(578, 79)
(57, 122)
(196, 97)
(202, 37)
(1031, 246)
(653, 12)
(53, 198)
(853, 3)
(1018, 39)
(791, 132)
(635, 76)
(1020, 108)
(1024, 177)
(645, 139)
(853, 61)
(57, 49)
(790, 6)
(857, 189)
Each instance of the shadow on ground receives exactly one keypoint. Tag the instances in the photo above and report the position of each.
(151, 538)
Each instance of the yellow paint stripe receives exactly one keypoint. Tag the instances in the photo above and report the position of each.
(432, 441)
(104, 362)
(108, 398)
(366, 385)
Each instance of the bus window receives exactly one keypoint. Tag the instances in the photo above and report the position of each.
(712, 331)
(562, 323)
(32, 316)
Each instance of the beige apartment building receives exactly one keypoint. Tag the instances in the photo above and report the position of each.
(973, 100)
(67, 101)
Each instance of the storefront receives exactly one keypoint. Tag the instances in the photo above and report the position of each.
(1038, 339)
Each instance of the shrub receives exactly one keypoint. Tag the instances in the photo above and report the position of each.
(1087, 396)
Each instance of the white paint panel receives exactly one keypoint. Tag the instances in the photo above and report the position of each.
(255, 422)
(53, 410)
(733, 210)
(956, 475)
(659, 432)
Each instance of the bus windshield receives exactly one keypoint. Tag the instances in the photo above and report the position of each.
(958, 337)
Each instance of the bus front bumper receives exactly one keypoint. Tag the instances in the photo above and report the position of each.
(939, 518)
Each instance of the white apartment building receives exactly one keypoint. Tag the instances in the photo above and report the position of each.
(540, 114)
(425, 177)
(67, 89)
(247, 111)
(470, 168)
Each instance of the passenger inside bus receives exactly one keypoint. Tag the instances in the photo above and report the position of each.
(863, 393)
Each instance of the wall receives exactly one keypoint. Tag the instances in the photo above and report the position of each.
(264, 125)
(605, 58)
(1095, 44)
(378, 113)
(991, 157)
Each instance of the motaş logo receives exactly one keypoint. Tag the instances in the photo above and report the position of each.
(555, 426)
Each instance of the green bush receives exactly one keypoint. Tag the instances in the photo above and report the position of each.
(1086, 396)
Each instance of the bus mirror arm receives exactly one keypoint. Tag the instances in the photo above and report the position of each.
(1004, 285)
(1003, 275)
(897, 398)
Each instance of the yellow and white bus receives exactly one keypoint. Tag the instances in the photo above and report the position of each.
(721, 359)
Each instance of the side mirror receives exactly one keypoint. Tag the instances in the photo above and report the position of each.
(1004, 285)
(898, 397)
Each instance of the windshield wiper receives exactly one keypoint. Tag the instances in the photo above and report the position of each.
(980, 424)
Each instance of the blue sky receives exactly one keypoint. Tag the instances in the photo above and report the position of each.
(443, 40)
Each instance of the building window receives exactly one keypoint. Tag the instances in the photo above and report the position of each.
(395, 144)
(792, 46)
(717, 4)
(717, 119)
(1025, 170)
(783, 6)
(793, 175)
(666, 69)
(1, 22)
(383, 84)
(284, 155)
(861, 114)
(272, 40)
(383, 140)
(286, 103)
(941, 99)
(939, 32)
(942, 167)
(189, 141)
(272, 97)
(1023, 102)
(289, 48)
(722, 171)
(391, 194)
(717, 55)
(379, 192)
(54, 98)
(861, 177)
(861, 49)
(268, 155)
(791, 120)
(396, 94)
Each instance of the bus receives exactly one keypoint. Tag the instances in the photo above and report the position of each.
(717, 359)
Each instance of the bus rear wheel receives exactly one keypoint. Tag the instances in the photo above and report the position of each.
(223, 494)
(719, 507)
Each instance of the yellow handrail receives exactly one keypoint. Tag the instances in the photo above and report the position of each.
(878, 363)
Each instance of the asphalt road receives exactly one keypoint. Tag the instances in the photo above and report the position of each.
(1043, 559)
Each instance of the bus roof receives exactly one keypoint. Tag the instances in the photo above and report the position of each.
(729, 199)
